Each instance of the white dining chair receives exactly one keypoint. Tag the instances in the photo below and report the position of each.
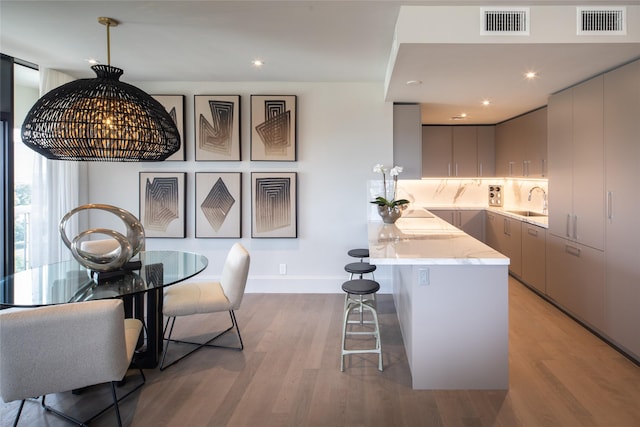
(66, 347)
(190, 298)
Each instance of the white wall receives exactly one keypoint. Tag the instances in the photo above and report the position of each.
(344, 129)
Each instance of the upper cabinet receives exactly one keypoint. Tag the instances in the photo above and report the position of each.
(437, 150)
(521, 146)
(407, 139)
(458, 151)
(486, 137)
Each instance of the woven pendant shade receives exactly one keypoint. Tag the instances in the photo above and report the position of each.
(100, 119)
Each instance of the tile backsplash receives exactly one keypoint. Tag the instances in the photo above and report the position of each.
(445, 192)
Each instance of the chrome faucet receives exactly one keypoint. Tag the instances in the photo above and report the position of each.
(544, 197)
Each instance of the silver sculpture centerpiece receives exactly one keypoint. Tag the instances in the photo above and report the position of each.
(106, 254)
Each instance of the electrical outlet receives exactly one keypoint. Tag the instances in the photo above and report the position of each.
(423, 277)
(283, 268)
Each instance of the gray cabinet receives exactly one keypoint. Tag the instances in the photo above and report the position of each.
(465, 151)
(576, 165)
(486, 137)
(469, 221)
(512, 244)
(509, 150)
(535, 144)
(504, 234)
(472, 223)
(622, 244)
(407, 139)
(575, 242)
(521, 145)
(576, 279)
(523, 243)
(457, 151)
(436, 150)
(493, 230)
(534, 259)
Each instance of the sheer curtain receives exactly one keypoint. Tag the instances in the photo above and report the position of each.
(58, 187)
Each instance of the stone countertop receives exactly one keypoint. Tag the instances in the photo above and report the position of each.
(540, 221)
(421, 238)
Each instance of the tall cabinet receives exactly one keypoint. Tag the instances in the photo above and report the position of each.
(622, 243)
(575, 267)
(576, 165)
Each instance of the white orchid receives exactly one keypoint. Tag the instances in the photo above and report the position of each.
(379, 168)
(394, 172)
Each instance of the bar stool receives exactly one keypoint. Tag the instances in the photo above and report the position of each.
(359, 288)
(359, 253)
(360, 268)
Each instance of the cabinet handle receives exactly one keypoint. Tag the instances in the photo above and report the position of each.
(449, 169)
(456, 168)
(532, 232)
(572, 250)
(459, 219)
(610, 206)
(507, 227)
(568, 225)
(510, 168)
(575, 227)
(525, 168)
(481, 169)
(543, 165)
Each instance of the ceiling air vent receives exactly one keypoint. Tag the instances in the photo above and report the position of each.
(501, 21)
(602, 20)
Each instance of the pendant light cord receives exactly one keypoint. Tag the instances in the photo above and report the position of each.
(109, 22)
(108, 44)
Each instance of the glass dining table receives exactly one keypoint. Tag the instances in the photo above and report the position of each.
(140, 289)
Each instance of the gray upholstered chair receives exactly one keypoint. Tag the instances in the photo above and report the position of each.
(65, 347)
(185, 299)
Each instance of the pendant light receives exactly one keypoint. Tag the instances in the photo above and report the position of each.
(100, 119)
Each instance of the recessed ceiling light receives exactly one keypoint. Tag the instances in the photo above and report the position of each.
(530, 75)
(93, 61)
(413, 82)
(257, 63)
(486, 102)
(462, 116)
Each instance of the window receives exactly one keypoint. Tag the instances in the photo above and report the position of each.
(19, 83)
(26, 93)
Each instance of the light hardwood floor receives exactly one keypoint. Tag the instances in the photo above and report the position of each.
(288, 375)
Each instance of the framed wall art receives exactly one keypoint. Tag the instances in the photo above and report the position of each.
(217, 127)
(274, 128)
(174, 104)
(274, 204)
(162, 204)
(218, 204)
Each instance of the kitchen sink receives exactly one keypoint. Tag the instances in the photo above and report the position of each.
(528, 213)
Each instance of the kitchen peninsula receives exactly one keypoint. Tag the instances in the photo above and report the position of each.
(451, 297)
